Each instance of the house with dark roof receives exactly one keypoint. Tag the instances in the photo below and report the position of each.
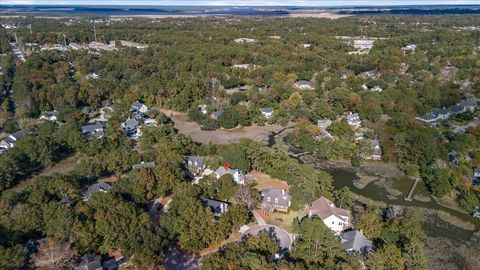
(93, 130)
(476, 177)
(138, 107)
(196, 164)
(143, 165)
(337, 219)
(98, 187)
(433, 117)
(132, 129)
(89, 262)
(276, 199)
(355, 242)
(65, 201)
(216, 206)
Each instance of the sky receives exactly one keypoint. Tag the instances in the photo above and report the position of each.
(239, 2)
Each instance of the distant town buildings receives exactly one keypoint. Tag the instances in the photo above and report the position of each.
(303, 85)
(245, 40)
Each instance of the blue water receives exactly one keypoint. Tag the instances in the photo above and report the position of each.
(227, 10)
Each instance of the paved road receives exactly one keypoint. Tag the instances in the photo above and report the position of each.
(462, 129)
(277, 234)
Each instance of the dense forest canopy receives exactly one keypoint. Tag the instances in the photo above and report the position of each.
(190, 62)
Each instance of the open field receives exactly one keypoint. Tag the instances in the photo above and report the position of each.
(263, 180)
(282, 220)
(219, 136)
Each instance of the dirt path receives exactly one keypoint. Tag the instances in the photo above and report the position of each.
(219, 136)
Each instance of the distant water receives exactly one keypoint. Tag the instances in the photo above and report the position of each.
(228, 10)
(141, 10)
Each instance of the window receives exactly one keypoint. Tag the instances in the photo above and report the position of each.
(268, 199)
(333, 222)
(276, 200)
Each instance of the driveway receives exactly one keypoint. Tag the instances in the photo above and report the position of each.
(175, 259)
(277, 234)
(259, 218)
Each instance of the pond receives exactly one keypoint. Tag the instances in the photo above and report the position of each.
(343, 177)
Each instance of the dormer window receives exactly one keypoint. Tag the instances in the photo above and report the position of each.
(268, 199)
(276, 200)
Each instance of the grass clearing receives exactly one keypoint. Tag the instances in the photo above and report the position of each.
(283, 220)
(264, 180)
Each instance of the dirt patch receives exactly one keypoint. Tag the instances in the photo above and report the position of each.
(63, 167)
(263, 180)
(219, 136)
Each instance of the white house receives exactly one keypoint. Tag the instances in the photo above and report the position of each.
(49, 116)
(238, 177)
(324, 123)
(267, 112)
(337, 219)
(138, 107)
(202, 108)
(353, 119)
(303, 85)
(245, 40)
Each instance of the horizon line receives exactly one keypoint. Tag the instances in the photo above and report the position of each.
(242, 5)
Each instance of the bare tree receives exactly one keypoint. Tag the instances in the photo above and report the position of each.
(54, 255)
(248, 197)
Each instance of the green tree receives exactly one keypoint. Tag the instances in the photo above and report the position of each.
(316, 246)
(388, 257)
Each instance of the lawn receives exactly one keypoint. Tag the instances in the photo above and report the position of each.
(264, 180)
(283, 220)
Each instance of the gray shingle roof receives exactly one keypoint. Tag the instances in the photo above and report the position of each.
(355, 241)
(89, 262)
(279, 197)
(266, 110)
(99, 187)
(196, 162)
